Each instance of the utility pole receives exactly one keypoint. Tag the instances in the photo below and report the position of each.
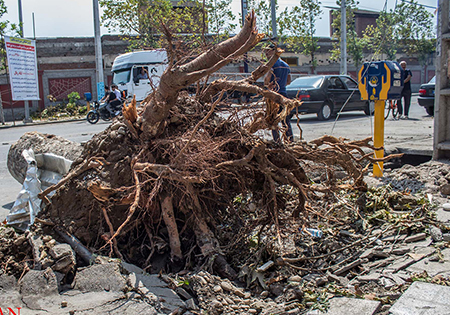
(343, 69)
(274, 18)
(98, 53)
(27, 118)
(20, 18)
(244, 8)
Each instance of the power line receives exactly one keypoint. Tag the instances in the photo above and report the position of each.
(422, 5)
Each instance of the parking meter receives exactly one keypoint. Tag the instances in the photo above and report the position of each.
(378, 82)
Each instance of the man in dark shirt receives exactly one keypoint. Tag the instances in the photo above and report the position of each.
(111, 101)
(406, 92)
(276, 80)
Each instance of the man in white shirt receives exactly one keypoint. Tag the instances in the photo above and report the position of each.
(116, 91)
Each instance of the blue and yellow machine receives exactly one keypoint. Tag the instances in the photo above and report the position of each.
(378, 82)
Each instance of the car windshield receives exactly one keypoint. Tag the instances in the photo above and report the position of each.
(433, 81)
(121, 77)
(305, 82)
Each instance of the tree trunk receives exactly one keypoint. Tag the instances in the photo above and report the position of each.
(177, 77)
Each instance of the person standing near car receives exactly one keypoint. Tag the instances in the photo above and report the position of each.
(277, 79)
(406, 92)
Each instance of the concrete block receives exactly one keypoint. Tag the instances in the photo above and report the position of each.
(423, 298)
(147, 283)
(346, 306)
(433, 267)
(97, 278)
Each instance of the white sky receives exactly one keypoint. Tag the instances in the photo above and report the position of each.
(68, 18)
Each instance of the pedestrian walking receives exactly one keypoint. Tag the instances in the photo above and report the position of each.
(276, 80)
(406, 92)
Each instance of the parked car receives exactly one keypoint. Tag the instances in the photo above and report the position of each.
(325, 95)
(426, 96)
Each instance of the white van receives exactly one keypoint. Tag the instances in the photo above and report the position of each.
(137, 73)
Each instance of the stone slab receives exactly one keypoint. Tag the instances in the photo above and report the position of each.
(433, 267)
(346, 306)
(443, 216)
(423, 298)
(97, 278)
(151, 283)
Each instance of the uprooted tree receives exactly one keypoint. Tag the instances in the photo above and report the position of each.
(162, 183)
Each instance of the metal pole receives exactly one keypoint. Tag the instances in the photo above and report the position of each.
(98, 51)
(274, 18)
(378, 137)
(244, 8)
(34, 26)
(20, 18)
(343, 38)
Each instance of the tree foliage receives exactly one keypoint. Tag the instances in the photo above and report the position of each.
(355, 44)
(141, 21)
(6, 28)
(381, 38)
(298, 27)
(409, 27)
(263, 11)
(415, 30)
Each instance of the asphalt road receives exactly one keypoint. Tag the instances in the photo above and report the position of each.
(415, 132)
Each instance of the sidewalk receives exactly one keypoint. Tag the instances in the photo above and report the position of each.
(20, 123)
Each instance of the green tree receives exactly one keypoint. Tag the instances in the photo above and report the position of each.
(298, 28)
(355, 44)
(415, 30)
(140, 21)
(381, 38)
(219, 18)
(263, 12)
(6, 28)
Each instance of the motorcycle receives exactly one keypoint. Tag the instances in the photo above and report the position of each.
(100, 111)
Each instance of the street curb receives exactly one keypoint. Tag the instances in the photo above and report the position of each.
(38, 123)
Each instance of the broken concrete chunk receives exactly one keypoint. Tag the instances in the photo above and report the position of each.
(374, 276)
(191, 305)
(423, 298)
(343, 305)
(416, 238)
(60, 250)
(39, 283)
(436, 234)
(97, 278)
(400, 251)
(349, 266)
(183, 293)
(64, 264)
(266, 266)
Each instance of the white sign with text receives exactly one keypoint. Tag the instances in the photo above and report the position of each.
(21, 54)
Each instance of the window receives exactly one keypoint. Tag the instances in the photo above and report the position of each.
(291, 61)
(350, 83)
(336, 83)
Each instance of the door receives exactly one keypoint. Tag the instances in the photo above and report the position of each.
(141, 82)
(355, 100)
(338, 92)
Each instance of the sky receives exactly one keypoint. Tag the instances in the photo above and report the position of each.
(74, 18)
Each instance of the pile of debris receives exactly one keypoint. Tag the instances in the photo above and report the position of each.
(175, 188)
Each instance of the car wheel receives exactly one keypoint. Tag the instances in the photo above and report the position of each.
(430, 110)
(370, 109)
(325, 111)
